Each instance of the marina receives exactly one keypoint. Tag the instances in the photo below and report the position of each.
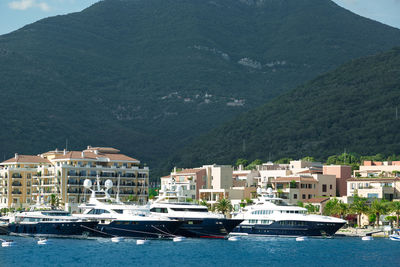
(255, 251)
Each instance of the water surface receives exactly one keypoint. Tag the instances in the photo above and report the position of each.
(203, 252)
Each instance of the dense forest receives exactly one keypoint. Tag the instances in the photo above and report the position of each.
(149, 76)
(354, 108)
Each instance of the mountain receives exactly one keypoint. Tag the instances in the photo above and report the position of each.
(149, 76)
(353, 108)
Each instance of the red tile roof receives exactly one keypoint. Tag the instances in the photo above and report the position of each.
(94, 156)
(26, 159)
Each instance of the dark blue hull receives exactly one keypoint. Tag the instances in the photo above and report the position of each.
(207, 228)
(139, 229)
(65, 229)
(290, 228)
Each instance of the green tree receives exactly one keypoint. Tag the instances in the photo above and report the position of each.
(359, 207)
(223, 205)
(395, 207)
(248, 201)
(379, 207)
(54, 201)
(308, 158)
(310, 208)
(300, 204)
(331, 207)
(283, 161)
(253, 164)
(243, 162)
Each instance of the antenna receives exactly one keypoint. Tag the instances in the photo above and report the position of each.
(66, 144)
(119, 178)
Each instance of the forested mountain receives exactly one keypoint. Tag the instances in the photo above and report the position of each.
(354, 108)
(148, 76)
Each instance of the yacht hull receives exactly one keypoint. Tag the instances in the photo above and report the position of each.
(294, 228)
(64, 229)
(207, 227)
(139, 229)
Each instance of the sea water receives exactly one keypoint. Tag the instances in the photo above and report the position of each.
(247, 251)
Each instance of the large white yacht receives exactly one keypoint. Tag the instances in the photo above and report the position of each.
(49, 222)
(118, 219)
(272, 216)
(197, 220)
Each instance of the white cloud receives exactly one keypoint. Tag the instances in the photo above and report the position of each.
(26, 4)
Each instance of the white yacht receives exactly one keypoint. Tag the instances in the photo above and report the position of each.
(118, 219)
(49, 222)
(272, 216)
(197, 220)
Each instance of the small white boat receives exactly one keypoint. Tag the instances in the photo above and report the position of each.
(117, 239)
(301, 238)
(7, 243)
(234, 238)
(141, 241)
(367, 238)
(43, 241)
(178, 238)
(394, 237)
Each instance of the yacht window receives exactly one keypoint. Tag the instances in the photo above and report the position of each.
(189, 209)
(119, 211)
(98, 211)
(159, 210)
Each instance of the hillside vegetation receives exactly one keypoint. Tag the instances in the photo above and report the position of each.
(354, 108)
(149, 76)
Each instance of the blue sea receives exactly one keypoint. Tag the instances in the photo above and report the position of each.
(203, 252)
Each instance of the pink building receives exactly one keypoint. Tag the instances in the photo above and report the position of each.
(342, 173)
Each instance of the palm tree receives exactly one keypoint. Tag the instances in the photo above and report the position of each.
(224, 205)
(359, 206)
(379, 207)
(331, 207)
(54, 201)
(342, 209)
(395, 207)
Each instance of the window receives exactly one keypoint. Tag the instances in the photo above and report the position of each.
(324, 188)
(309, 186)
(159, 210)
(309, 196)
(353, 186)
(330, 186)
(295, 196)
(303, 196)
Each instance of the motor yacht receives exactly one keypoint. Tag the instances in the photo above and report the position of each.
(197, 220)
(49, 222)
(272, 216)
(118, 219)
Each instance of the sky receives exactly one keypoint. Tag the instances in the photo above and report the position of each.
(14, 14)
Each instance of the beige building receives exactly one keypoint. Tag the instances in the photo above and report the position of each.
(25, 179)
(190, 180)
(384, 188)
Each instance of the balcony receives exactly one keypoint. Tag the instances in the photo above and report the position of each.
(16, 184)
(16, 192)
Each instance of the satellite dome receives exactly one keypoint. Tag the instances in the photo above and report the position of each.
(269, 190)
(108, 184)
(87, 183)
(259, 190)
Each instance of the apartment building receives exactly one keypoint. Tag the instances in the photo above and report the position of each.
(190, 180)
(342, 173)
(27, 179)
(374, 187)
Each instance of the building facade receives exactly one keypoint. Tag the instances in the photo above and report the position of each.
(26, 180)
